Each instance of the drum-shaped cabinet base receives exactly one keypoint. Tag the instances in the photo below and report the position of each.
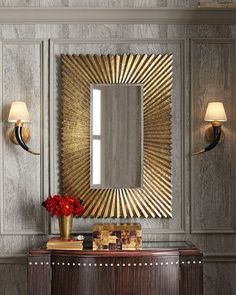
(150, 271)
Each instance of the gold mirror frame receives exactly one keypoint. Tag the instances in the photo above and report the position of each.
(154, 199)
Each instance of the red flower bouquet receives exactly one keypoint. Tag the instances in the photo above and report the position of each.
(63, 205)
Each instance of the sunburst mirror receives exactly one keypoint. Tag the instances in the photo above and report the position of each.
(93, 82)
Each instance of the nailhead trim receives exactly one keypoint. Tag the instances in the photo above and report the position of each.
(118, 264)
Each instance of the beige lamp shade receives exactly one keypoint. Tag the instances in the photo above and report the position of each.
(18, 111)
(215, 112)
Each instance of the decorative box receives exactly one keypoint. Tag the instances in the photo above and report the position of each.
(117, 236)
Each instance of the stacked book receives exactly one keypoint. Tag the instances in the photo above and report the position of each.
(58, 244)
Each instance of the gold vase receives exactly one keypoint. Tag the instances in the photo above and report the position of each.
(65, 224)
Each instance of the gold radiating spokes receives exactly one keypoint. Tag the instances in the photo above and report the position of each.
(154, 199)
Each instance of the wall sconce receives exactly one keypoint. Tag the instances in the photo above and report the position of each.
(215, 114)
(20, 134)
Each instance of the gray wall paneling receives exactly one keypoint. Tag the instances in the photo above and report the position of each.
(110, 14)
(24, 180)
(8, 286)
(23, 62)
(219, 246)
(213, 191)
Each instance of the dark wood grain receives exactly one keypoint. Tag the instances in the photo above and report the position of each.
(113, 275)
(39, 275)
(191, 272)
(144, 272)
(97, 253)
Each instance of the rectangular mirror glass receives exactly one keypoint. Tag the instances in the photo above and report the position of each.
(116, 135)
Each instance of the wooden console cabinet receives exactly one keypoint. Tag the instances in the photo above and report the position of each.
(165, 268)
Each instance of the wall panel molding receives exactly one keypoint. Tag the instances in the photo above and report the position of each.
(219, 257)
(195, 194)
(53, 181)
(13, 259)
(43, 49)
(117, 15)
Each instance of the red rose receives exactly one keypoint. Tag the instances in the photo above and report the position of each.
(63, 205)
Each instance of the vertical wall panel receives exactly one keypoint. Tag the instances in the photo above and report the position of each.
(22, 193)
(213, 173)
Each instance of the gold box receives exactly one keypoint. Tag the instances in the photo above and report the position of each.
(112, 236)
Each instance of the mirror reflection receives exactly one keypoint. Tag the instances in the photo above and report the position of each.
(116, 135)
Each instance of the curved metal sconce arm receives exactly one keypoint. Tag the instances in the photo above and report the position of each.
(19, 138)
(216, 138)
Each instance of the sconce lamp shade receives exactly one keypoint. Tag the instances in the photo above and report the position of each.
(215, 112)
(18, 111)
